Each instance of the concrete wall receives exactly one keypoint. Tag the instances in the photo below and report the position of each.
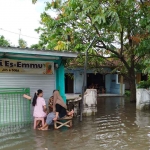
(142, 99)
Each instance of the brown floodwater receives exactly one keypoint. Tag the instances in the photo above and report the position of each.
(117, 126)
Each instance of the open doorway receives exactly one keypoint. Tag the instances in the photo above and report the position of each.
(69, 83)
(96, 80)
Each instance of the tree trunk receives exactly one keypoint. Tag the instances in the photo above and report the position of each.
(132, 83)
(132, 90)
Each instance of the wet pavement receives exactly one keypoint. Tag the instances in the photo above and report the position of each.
(117, 126)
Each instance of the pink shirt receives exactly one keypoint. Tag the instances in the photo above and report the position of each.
(38, 108)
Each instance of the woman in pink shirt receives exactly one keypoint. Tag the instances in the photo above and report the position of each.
(39, 105)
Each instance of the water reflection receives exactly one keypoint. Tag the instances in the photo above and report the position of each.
(117, 126)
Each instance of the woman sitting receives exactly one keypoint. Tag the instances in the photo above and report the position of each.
(70, 107)
(59, 110)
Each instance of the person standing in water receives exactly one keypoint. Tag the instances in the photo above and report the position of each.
(39, 105)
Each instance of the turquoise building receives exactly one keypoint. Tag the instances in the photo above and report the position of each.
(24, 71)
(34, 69)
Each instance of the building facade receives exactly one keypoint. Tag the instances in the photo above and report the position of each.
(74, 81)
(34, 69)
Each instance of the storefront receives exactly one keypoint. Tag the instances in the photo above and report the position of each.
(34, 69)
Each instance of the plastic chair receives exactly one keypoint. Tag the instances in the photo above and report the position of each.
(36, 119)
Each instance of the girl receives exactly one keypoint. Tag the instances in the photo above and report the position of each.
(39, 105)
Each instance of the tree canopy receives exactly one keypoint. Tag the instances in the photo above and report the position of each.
(121, 27)
(3, 41)
(22, 43)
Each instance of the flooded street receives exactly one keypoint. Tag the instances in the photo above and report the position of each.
(116, 126)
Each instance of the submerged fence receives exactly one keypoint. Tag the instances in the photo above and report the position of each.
(14, 109)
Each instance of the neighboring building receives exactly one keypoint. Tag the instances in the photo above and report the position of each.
(108, 81)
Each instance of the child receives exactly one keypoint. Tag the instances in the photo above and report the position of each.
(70, 109)
(39, 105)
(50, 104)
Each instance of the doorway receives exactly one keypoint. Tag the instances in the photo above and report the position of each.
(96, 81)
(69, 83)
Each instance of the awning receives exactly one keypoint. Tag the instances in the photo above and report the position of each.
(13, 52)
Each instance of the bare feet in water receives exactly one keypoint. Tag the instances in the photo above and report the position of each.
(70, 113)
(45, 128)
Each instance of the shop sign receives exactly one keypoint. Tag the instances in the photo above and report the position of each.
(26, 67)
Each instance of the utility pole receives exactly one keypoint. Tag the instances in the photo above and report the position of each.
(85, 78)
(19, 33)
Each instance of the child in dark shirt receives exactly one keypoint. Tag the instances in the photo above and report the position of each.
(50, 104)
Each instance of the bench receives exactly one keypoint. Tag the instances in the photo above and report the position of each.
(66, 121)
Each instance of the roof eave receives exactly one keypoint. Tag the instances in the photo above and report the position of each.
(22, 51)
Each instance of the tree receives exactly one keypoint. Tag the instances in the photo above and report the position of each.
(22, 43)
(34, 1)
(122, 28)
(35, 46)
(3, 41)
(39, 45)
(146, 53)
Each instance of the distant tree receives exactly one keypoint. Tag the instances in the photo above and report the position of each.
(39, 45)
(22, 43)
(34, 1)
(3, 41)
(34, 46)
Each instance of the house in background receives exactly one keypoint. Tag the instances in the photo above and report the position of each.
(107, 81)
(111, 82)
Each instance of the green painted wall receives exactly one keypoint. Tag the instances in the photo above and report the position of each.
(60, 80)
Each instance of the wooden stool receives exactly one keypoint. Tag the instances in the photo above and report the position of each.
(67, 122)
(36, 119)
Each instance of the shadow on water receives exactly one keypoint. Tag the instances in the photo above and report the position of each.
(116, 126)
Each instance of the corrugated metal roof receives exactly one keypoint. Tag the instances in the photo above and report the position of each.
(25, 51)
